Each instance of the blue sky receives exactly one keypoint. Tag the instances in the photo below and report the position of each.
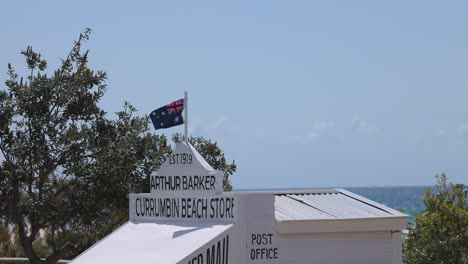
(300, 93)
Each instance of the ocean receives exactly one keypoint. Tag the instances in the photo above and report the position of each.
(405, 199)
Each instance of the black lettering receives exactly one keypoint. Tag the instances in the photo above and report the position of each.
(270, 236)
(222, 207)
(195, 183)
(189, 206)
(180, 158)
(261, 239)
(137, 204)
(227, 250)
(175, 207)
(177, 183)
(206, 183)
(151, 207)
(152, 184)
(192, 261)
(158, 183)
(201, 182)
(168, 207)
(197, 260)
(199, 215)
(146, 206)
(172, 183)
(223, 260)
(205, 208)
(161, 206)
(184, 182)
(228, 208)
(210, 255)
(190, 183)
(232, 207)
(184, 208)
(194, 208)
(263, 252)
(166, 184)
(218, 253)
(212, 182)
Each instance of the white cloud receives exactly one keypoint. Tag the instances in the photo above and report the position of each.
(363, 127)
(318, 130)
(218, 122)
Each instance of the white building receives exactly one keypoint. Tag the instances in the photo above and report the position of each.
(188, 219)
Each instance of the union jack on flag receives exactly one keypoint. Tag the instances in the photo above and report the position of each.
(168, 116)
(176, 106)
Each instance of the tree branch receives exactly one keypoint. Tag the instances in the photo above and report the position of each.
(57, 255)
(25, 240)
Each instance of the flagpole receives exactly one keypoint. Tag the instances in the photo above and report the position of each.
(186, 116)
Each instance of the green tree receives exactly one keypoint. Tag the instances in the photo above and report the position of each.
(440, 234)
(65, 168)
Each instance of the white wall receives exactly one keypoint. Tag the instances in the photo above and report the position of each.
(350, 248)
(257, 219)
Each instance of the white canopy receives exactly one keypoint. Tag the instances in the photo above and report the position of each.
(145, 243)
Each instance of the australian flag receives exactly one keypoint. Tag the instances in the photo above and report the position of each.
(169, 115)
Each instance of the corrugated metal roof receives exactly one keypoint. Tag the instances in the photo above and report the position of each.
(333, 204)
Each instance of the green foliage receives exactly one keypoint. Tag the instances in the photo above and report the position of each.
(65, 168)
(440, 234)
(8, 245)
(213, 155)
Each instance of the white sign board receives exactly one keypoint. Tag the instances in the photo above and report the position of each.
(185, 188)
(186, 172)
(150, 208)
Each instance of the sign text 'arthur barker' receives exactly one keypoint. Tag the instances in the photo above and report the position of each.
(186, 183)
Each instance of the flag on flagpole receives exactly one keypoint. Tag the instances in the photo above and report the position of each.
(168, 116)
